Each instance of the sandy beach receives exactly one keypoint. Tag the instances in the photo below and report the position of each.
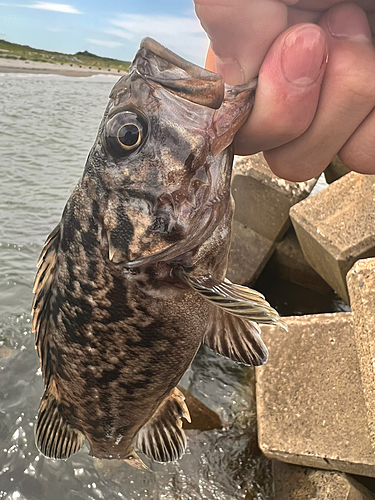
(18, 66)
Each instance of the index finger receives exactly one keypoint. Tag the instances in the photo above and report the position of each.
(241, 33)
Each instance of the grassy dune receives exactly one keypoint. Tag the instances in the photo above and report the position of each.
(85, 59)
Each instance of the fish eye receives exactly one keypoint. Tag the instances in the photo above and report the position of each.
(129, 136)
(125, 132)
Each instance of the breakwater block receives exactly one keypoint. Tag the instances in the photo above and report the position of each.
(249, 253)
(361, 284)
(292, 482)
(288, 263)
(261, 215)
(311, 407)
(263, 200)
(335, 228)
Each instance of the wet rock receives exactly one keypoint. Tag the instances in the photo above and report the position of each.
(262, 199)
(202, 417)
(361, 284)
(335, 228)
(292, 482)
(288, 263)
(249, 253)
(335, 170)
(310, 404)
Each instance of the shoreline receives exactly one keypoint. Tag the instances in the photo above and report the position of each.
(34, 67)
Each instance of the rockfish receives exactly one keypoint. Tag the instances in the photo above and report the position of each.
(132, 280)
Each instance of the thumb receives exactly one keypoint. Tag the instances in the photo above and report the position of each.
(241, 33)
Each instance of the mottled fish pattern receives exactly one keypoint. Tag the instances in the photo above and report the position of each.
(132, 280)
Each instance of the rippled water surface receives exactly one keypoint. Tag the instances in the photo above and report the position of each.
(47, 126)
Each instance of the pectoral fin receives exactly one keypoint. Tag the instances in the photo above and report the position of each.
(236, 338)
(235, 299)
(162, 437)
(234, 331)
(54, 437)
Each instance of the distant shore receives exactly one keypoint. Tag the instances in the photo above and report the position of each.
(19, 66)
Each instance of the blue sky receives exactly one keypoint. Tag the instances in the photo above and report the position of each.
(111, 28)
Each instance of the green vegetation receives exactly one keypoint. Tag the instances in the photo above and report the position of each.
(85, 59)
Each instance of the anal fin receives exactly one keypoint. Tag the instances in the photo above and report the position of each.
(236, 338)
(162, 437)
(54, 437)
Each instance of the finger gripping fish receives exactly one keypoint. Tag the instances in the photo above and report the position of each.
(132, 280)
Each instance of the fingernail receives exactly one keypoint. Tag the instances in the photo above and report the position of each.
(304, 55)
(349, 21)
(230, 70)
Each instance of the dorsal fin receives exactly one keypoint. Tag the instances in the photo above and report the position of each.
(43, 291)
(162, 437)
(54, 437)
(235, 338)
(235, 299)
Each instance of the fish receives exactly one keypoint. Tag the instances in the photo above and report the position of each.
(131, 282)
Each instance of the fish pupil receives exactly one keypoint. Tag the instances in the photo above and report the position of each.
(129, 135)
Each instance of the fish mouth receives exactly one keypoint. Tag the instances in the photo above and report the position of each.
(156, 63)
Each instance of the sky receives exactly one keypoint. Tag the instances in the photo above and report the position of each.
(111, 28)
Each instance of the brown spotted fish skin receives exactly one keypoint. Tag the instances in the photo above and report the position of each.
(124, 292)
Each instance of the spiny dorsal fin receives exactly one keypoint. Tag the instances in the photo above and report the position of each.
(43, 291)
(53, 435)
(162, 437)
(235, 299)
(236, 338)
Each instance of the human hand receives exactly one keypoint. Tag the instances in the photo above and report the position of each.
(308, 107)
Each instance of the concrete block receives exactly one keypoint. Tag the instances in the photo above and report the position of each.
(262, 199)
(292, 482)
(310, 404)
(249, 253)
(361, 283)
(335, 228)
(288, 263)
(335, 170)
